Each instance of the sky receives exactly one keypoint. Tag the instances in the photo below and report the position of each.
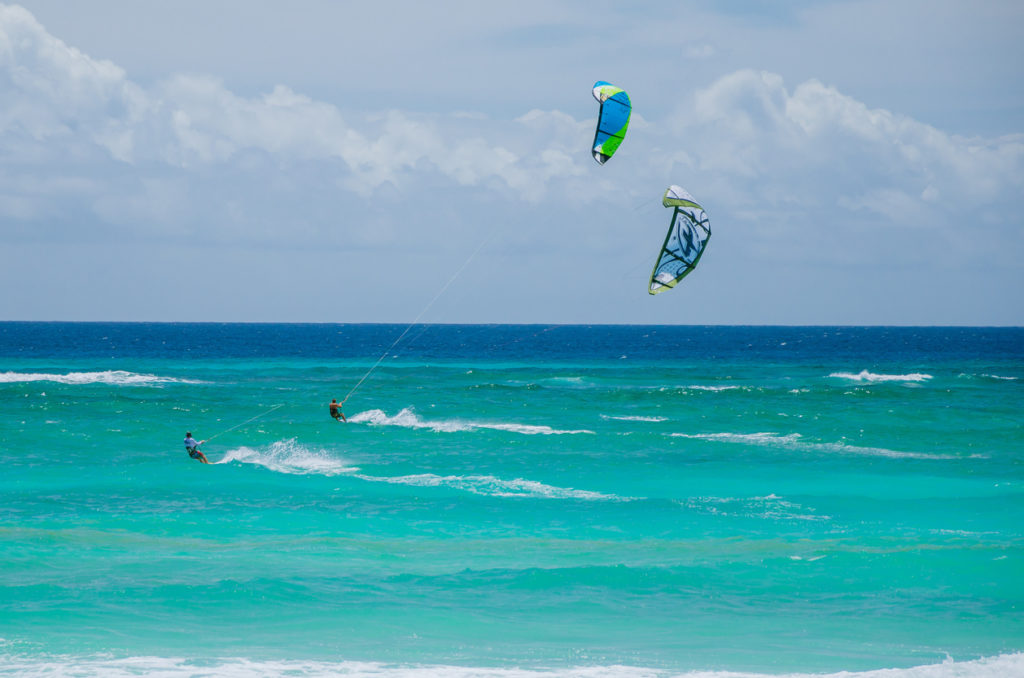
(861, 162)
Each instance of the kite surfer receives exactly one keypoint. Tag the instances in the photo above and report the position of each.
(192, 447)
(335, 408)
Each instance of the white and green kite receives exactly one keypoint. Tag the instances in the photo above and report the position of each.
(688, 235)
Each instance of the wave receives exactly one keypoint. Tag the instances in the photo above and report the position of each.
(871, 377)
(770, 507)
(288, 456)
(492, 486)
(794, 441)
(635, 417)
(572, 381)
(996, 377)
(180, 667)
(700, 387)
(115, 377)
(406, 418)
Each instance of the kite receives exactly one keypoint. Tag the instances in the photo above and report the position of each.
(612, 121)
(687, 237)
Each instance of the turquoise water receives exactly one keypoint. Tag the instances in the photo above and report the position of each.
(511, 500)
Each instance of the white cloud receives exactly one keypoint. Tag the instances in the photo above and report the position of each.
(801, 176)
(56, 91)
(52, 90)
(822, 144)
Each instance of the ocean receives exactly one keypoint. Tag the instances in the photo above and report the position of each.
(511, 501)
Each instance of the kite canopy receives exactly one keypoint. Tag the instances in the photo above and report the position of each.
(688, 235)
(612, 121)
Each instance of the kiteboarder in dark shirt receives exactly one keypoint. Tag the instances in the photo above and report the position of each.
(336, 409)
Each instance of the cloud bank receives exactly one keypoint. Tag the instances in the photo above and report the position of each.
(798, 177)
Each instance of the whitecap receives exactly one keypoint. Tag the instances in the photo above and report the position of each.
(635, 417)
(407, 418)
(493, 486)
(291, 457)
(770, 507)
(90, 666)
(871, 377)
(754, 438)
(794, 441)
(700, 387)
(114, 377)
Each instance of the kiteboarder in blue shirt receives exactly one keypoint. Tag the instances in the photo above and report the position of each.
(192, 447)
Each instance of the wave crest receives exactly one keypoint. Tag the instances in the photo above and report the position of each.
(407, 418)
(114, 377)
(492, 486)
(174, 667)
(289, 456)
(770, 507)
(794, 441)
(871, 377)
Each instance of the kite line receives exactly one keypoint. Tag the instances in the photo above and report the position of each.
(417, 320)
(245, 422)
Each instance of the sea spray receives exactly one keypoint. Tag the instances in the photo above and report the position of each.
(288, 456)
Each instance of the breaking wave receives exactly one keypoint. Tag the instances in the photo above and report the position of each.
(701, 387)
(770, 507)
(492, 486)
(871, 377)
(998, 666)
(406, 418)
(289, 456)
(794, 441)
(115, 377)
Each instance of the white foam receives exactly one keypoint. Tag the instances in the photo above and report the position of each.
(575, 381)
(1000, 666)
(770, 507)
(406, 418)
(636, 417)
(492, 486)
(794, 441)
(700, 387)
(115, 377)
(750, 438)
(871, 377)
(288, 456)
(997, 377)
